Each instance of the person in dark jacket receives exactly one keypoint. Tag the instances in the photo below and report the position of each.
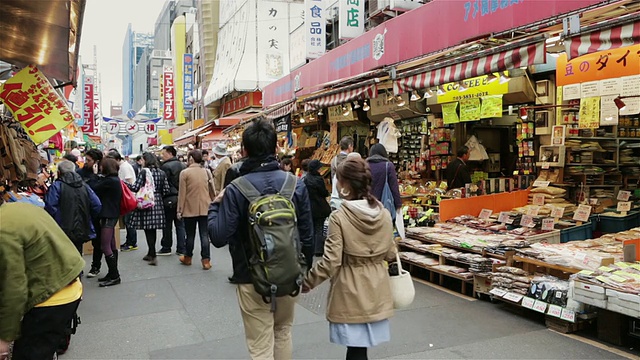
(172, 167)
(383, 170)
(268, 334)
(150, 220)
(72, 204)
(109, 190)
(91, 163)
(457, 173)
(320, 208)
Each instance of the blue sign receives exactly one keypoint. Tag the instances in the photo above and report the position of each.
(131, 114)
(188, 81)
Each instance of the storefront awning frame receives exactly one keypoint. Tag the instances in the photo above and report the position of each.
(280, 110)
(364, 90)
(600, 37)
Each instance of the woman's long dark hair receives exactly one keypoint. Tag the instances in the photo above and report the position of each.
(356, 173)
(150, 160)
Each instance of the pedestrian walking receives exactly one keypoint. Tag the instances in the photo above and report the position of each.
(172, 167)
(360, 240)
(40, 287)
(320, 208)
(267, 328)
(89, 173)
(383, 172)
(91, 162)
(127, 174)
(109, 190)
(73, 204)
(222, 163)
(151, 219)
(286, 164)
(196, 193)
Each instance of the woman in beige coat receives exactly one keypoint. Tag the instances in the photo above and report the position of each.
(360, 240)
(194, 196)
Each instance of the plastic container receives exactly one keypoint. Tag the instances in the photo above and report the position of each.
(576, 233)
(614, 224)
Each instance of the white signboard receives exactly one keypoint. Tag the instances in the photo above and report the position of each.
(571, 92)
(297, 48)
(632, 106)
(630, 85)
(113, 127)
(273, 40)
(590, 89)
(131, 127)
(608, 110)
(352, 18)
(611, 87)
(315, 25)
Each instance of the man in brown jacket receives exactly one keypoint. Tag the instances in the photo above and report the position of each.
(195, 193)
(222, 164)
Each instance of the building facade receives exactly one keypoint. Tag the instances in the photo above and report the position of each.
(133, 48)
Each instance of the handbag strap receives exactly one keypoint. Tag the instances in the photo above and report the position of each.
(386, 173)
(398, 261)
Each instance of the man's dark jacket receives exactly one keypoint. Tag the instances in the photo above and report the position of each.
(457, 174)
(228, 220)
(173, 167)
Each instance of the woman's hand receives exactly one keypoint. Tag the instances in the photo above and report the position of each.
(4, 349)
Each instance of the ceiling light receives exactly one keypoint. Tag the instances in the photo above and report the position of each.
(365, 107)
(441, 90)
(504, 78)
(555, 55)
(461, 86)
(524, 114)
(346, 110)
(491, 78)
(320, 113)
(302, 120)
(400, 101)
(356, 105)
(428, 94)
(619, 103)
(311, 117)
(414, 96)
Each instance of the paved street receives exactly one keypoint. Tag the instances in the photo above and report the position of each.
(177, 312)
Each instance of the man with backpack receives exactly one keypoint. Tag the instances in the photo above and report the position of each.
(265, 218)
(172, 167)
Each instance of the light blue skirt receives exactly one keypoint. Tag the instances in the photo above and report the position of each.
(360, 335)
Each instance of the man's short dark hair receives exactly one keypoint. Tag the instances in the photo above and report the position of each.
(462, 151)
(71, 157)
(205, 153)
(95, 154)
(171, 150)
(196, 155)
(139, 157)
(346, 142)
(114, 154)
(260, 138)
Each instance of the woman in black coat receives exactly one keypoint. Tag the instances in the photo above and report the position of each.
(320, 208)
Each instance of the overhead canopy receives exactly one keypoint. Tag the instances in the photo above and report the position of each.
(590, 41)
(280, 110)
(340, 96)
(190, 136)
(236, 119)
(42, 33)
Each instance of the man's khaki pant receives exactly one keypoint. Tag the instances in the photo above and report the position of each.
(268, 334)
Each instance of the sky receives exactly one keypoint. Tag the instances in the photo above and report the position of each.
(104, 25)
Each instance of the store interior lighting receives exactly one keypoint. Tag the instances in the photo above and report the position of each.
(620, 104)
(320, 113)
(311, 117)
(356, 105)
(400, 101)
(428, 94)
(366, 107)
(504, 78)
(415, 96)
(346, 110)
(441, 90)
(491, 78)
(302, 120)
(524, 114)
(461, 86)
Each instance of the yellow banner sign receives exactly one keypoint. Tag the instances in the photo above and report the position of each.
(469, 109)
(491, 106)
(589, 113)
(476, 87)
(450, 113)
(34, 103)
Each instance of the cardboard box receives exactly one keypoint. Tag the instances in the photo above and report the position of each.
(598, 290)
(590, 301)
(589, 294)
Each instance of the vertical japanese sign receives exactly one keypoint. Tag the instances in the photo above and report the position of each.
(161, 96)
(352, 18)
(188, 81)
(169, 94)
(273, 39)
(35, 104)
(88, 114)
(314, 20)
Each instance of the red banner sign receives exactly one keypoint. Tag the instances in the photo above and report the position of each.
(88, 114)
(169, 94)
(242, 102)
(437, 25)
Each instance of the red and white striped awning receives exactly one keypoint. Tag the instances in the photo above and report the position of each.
(278, 111)
(440, 73)
(599, 40)
(340, 97)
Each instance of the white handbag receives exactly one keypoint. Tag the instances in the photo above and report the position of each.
(402, 288)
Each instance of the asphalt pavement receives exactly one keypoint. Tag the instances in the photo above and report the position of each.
(172, 311)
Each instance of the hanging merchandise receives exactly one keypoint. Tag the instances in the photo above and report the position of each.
(388, 135)
(477, 151)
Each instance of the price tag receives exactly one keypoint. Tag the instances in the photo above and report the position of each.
(621, 264)
(624, 206)
(533, 210)
(504, 217)
(540, 306)
(568, 315)
(485, 214)
(538, 199)
(540, 183)
(582, 214)
(557, 212)
(593, 201)
(497, 292)
(636, 266)
(585, 272)
(513, 297)
(528, 302)
(624, 195)
(527, 221)
(617, 278)
(548, 224)
(555, 311)
(545, 165)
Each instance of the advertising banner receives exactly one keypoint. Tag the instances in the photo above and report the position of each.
(188, 81)
(273, 40)
(35, 104)
(314, 22)
(88, 115)
(169, 94)
(283, 124)
(475, 88)
(609, 64)
(352, 18)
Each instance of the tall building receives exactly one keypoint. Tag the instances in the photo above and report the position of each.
(132, 50)
(162, 31)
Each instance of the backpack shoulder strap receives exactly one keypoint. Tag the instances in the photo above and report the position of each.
(386, 173)
(289, 186)
(246, 188)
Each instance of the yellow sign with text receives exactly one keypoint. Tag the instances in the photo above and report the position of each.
(476, 87)
(35, 104)
(450, 113)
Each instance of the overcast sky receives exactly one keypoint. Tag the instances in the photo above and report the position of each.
(105, 24)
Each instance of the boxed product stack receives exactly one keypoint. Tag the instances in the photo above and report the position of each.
(615, 287)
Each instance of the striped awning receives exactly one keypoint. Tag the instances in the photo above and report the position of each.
(278, 111)
(486, 62)
(604, 39)
(338, 97)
